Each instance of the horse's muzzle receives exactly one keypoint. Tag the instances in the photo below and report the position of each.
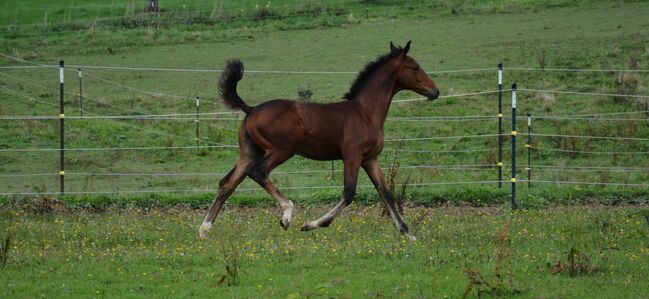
(433, 94)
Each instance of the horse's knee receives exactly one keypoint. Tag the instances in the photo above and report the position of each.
(222, 181)
(225, 179)
(387, 194)
(224, 192)
(257, 175)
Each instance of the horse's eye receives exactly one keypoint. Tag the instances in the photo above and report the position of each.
(416, 67)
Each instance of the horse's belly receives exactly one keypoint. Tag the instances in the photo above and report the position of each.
(318, 150)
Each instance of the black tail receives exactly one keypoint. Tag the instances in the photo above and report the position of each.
(232, 73)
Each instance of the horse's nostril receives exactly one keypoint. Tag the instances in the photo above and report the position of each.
(433, 94)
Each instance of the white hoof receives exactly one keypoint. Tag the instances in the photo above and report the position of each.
(284, 223)
(309, 225)
(411, 237)
(287, 215)
(202, 232)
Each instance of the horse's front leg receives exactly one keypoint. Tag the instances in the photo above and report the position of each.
(373, 170)
(351, 178)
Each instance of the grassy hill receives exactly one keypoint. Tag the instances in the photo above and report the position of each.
(324, 37)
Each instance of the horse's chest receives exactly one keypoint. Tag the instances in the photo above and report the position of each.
(373, 152)
(373, 145)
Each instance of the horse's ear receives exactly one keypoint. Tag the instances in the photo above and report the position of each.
(406, 49)
(393, 49)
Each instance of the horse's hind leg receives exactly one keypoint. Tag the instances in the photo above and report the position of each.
(259, 173)
(248, 153)
(351, 178)
(226, 187)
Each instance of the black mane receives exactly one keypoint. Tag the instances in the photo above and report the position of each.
(367, 72)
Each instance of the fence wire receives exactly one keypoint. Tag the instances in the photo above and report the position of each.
(587, 93)
(221, 173)
(258, 189)
(587, 168)
(205, 116)
(590, 152)
(586, 183)
(585, 136)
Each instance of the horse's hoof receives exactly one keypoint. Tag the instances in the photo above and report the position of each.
(306, 227)
(411, 237)
(284, 224)
(202, 235)
(202, 231)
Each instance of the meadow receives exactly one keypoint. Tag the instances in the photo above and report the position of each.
(585, 35)
(155, 252)
(130, 221)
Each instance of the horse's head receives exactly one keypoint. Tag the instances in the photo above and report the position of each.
(410, 74)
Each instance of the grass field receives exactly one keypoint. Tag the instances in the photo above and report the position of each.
(144, 253)
(581, 35)
(568, 241)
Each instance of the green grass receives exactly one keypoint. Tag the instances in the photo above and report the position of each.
(136, 252)
(581, 35)
(74, 16)
(591, 35)
(134, 245)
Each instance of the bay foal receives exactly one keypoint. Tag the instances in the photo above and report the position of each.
(351, 130)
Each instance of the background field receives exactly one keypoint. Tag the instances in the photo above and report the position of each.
(520, 34)
(131, 228)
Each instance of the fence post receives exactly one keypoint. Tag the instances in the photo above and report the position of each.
(80, 94)
(513, 180)
(198, 111)
(61, 130)
(500, 125)
(333, 177)
(529, 150)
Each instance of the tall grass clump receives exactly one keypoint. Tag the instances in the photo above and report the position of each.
(393, 173)
(231, 261)
(503, 282)
(5, 247)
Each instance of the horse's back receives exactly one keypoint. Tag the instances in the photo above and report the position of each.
(313, 130)
(309, 118)
(272, 124)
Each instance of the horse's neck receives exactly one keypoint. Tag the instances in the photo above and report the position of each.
(376, 97)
